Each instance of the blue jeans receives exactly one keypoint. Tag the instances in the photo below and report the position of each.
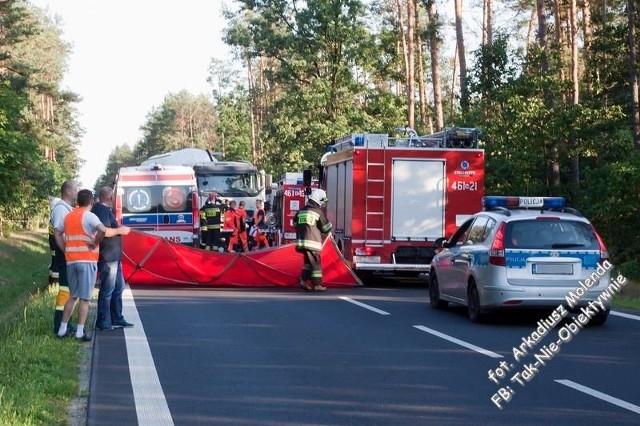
(110, 294)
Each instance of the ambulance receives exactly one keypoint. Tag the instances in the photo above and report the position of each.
(161, 200)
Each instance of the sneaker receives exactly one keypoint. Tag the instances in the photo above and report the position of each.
(85, 338)
(305, 285)
(121, 324)
(319, 287)
(104, 327)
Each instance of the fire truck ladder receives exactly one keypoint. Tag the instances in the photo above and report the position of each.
(375, 184)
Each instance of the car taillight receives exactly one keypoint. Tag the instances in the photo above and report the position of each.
(604, 253)
(496, 252)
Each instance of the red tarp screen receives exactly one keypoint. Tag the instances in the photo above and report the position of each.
(151, 260)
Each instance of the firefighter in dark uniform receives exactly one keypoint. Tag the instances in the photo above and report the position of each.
(311, 225)
(211, 212)
(54, 271)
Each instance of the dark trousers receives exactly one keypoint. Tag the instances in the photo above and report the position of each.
(110, 294)
(312, 269)
(63, 288)
(214, 239)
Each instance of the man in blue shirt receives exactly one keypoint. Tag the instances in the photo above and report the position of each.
(110, 268)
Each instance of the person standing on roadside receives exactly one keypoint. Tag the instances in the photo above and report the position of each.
(311, 226)
(83, 232)
(242, 232)
(260, 225)
(60, 209)
(109, 267)
(212, 212)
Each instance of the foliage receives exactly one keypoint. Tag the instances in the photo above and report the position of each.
(182, 121)
(326, 76)
(36, 369)
(38, 130)
(121, 156)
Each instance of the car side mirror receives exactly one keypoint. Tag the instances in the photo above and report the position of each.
(441, 243)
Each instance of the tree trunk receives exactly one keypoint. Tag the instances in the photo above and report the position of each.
(487, 22)
(411, 79)
(403, 38)
(575, 161)
(559, 38)
(434, 47)
(554, 169)
(464, 92)
(252, 105)
(530, 32)
(633, 76)
(420, 60)
(586, 23)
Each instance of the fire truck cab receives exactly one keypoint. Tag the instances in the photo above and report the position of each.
(391, 198)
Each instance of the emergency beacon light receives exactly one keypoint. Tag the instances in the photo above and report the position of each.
(524, 202)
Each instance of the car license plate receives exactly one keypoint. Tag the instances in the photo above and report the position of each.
(552, 268)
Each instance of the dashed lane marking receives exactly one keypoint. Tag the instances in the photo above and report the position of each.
(458, 341)
(364, 305)
(623, 315)
(603, 396)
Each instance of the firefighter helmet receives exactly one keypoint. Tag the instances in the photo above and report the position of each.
(318, 196)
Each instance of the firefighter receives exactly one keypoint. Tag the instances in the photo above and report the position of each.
(213, 210)
(311, 225)
(204, 229)
(68, 194)
(54, 273)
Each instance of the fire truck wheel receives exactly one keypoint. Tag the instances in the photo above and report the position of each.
(434, 293)
(473, 304)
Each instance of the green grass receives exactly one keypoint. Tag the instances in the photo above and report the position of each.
(24, 258)
(38, 372)
(629, 297)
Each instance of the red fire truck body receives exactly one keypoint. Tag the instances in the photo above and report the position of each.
(289, 197)
(391, 198)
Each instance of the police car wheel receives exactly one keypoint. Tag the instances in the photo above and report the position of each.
(473, 304)
(599, 319)
(434, 293)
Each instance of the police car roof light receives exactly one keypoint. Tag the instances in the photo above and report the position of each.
(524, 202)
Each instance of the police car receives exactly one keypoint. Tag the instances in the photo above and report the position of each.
(520, 252)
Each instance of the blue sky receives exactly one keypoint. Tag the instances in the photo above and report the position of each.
(126, 57)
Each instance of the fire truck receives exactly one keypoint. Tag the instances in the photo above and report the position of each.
(391, 198)
(288, 195)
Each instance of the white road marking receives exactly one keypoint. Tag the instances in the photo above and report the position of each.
(364, 305)
(458, 341)
(623, 315)
(603, 396)
(151, 404)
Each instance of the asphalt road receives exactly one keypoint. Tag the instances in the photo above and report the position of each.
(362, 356)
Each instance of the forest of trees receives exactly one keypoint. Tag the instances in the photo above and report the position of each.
(554, 90)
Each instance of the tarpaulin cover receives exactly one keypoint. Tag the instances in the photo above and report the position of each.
(152, 260)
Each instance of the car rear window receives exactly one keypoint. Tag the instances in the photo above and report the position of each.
(550, 234)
